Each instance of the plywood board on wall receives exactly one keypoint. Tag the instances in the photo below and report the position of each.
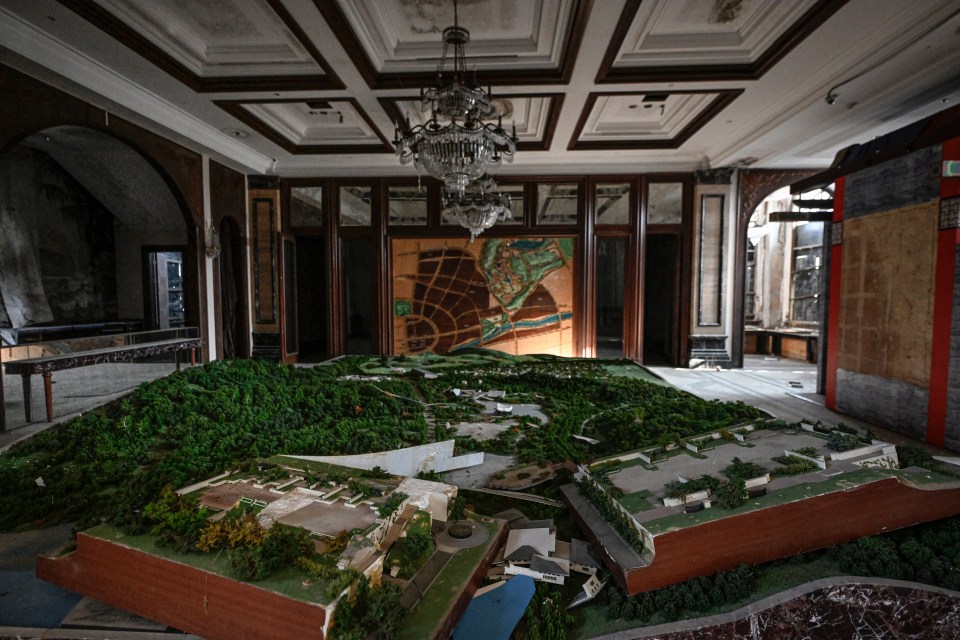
(887, 293)
(510, 294)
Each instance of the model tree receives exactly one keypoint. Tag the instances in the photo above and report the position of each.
(458, 507)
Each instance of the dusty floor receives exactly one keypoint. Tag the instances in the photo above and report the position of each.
(782, 387)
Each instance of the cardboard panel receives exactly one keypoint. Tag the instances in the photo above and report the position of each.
(887, 293)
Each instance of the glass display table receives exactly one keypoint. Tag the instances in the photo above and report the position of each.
(43, 358)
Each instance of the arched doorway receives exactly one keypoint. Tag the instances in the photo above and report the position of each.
(753, 186)
(84, 216)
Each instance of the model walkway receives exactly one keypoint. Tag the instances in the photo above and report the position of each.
(424, 578)
(521, 496)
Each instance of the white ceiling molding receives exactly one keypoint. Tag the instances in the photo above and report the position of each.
(26, 40)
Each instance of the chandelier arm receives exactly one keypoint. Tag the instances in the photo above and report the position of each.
(458, 143)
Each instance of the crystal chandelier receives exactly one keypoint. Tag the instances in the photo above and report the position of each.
(455, 145)
(479, 207)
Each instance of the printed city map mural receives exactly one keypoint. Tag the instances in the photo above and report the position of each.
(510, 294)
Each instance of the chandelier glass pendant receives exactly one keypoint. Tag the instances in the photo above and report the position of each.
(479, 207)
(455, 145)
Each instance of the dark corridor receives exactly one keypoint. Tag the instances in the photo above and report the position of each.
(660, 300)
(312, 298)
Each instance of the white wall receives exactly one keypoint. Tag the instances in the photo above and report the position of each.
(129, 243)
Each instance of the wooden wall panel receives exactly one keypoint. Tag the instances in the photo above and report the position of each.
(264, 228)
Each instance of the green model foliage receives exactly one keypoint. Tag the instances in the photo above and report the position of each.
(391, 504)
(743, 470)
(575, 393)
(927, 553)
(684, 599)
(369, 613)
(677, 489)
(176, 521)
(545, 618)
(840, 441)
(412, 551)
(612, 513)
(732, 493)
(792, 466)
(110, 463)
(192, 425)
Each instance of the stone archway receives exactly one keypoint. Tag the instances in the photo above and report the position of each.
(752, 186)
(77, 206)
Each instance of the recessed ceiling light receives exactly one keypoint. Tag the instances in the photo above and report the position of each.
(235, 133)
(631, 106)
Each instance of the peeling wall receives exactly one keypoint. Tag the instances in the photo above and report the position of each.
(887, 291)
(952, 434)
(891, 285)
(57, 261)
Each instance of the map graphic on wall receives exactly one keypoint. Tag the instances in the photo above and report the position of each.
(510, 294)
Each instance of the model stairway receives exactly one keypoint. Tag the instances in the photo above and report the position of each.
(393, 533)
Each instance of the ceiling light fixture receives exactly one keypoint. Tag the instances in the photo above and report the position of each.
(480, 206)
(455, 145)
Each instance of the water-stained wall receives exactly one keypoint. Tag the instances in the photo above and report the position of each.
(895, 299)
(58, 262)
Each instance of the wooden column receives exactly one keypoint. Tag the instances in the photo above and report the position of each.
(48, 394)
(264, 197)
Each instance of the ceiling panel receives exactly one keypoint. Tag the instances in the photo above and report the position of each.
(744, 80)
(311, 125)
(688, 40)
(655, 120)
(215, 45)
(397, 43)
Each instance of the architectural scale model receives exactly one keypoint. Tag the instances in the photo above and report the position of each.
(653, 514)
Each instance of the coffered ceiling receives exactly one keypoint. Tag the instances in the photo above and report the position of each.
(315, 87)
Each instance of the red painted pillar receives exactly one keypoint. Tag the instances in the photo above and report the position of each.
(833, 316)
(947, 240)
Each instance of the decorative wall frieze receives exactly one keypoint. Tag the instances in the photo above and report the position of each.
(950, 213)
(720, 175)
(836, 234)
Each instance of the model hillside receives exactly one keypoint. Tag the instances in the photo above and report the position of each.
(108, 464)
(631, 487)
